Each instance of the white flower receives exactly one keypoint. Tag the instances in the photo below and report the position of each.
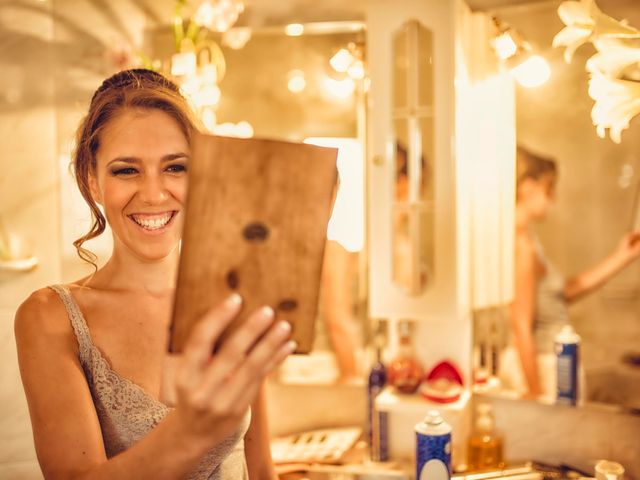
(614, 56)
(577, 16)
(617, 102)
(584, 21)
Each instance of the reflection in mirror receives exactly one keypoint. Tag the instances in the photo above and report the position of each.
(413, 207)
(576, 255)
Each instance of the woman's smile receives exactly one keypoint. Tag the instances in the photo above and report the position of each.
(154, 223)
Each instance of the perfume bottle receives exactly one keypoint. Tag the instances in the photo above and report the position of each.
(485, 446)
(405, 372)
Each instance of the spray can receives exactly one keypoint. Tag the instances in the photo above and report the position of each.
(567, 346)
(433, 448)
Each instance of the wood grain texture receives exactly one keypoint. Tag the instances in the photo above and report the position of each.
(255, 222)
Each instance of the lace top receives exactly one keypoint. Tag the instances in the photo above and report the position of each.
(127, 412)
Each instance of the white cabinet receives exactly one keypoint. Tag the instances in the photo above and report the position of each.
(441, 146)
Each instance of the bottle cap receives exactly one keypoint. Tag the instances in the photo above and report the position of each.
(433, 418)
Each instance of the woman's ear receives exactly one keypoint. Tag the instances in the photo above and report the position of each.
(94, 189)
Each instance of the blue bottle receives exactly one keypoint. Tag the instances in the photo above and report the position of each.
(567, 344)
(377, 429)
(433, 448)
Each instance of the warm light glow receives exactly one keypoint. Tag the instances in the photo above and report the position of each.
(208, 96)
(356, 70)
(504, 45)
(240, 130)
(342, 89)
(294, 29)
(209, 118)
(218, 15)
(296, 82)
(209, 74)
(183, 64)
(237, 37)
(341, 60)
(533, 72)
(346, 225)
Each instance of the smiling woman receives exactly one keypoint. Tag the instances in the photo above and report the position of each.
(140, 186)
(122, 406)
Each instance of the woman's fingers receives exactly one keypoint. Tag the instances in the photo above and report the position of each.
(199, 345)
(244, 385)
(233, 352)
(268, 352)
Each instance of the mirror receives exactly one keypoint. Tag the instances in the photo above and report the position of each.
(413, 200)
(593, 207)
(285, 88)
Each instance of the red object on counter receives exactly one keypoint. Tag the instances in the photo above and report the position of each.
(443, 384)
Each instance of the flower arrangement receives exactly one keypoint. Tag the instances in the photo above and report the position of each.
(614, 69)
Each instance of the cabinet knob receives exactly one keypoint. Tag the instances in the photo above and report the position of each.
(378, 160)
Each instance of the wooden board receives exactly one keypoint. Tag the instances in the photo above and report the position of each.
(255, 222)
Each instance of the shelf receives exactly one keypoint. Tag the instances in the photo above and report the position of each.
(390, 401)
(18, 265)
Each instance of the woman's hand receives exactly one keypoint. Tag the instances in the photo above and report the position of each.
(214, 390)
(629, 247)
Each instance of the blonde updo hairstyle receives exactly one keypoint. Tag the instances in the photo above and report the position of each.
(137, 89)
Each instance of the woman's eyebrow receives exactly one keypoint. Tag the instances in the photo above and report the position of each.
(174, 156)
(124, 160)
(165, 158)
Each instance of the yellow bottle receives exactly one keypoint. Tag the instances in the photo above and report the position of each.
(485, 447)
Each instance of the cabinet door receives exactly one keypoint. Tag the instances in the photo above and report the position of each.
(412, 195)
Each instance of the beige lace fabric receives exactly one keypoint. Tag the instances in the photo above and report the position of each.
(127, 412)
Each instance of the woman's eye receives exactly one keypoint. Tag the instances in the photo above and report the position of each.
(124, 171)
(177, 168)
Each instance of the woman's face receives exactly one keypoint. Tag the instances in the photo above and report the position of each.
(141, 182)
(537, 195)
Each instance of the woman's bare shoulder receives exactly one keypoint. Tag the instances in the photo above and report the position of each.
(42, 313)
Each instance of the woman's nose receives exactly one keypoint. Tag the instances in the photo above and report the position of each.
(152, 190)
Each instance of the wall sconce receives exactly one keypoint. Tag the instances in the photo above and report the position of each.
(529, 70)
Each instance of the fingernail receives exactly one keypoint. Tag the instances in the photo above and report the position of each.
(234, 300)
(292, 345)
(284, 326)
(267, 312)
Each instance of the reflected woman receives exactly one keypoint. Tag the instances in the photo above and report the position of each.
(92, 353)
(541, 297)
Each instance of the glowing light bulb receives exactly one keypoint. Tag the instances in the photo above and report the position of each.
(341, 60)
(294, 29)
(296, 82)
(341, 89)
(533, 72)
(356, 70)
(504, 45)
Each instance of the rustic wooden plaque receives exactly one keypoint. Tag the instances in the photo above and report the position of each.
(255, 223)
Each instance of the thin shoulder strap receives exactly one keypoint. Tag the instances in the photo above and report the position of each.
(78, 322)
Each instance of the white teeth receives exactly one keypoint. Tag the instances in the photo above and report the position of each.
(152, 222)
